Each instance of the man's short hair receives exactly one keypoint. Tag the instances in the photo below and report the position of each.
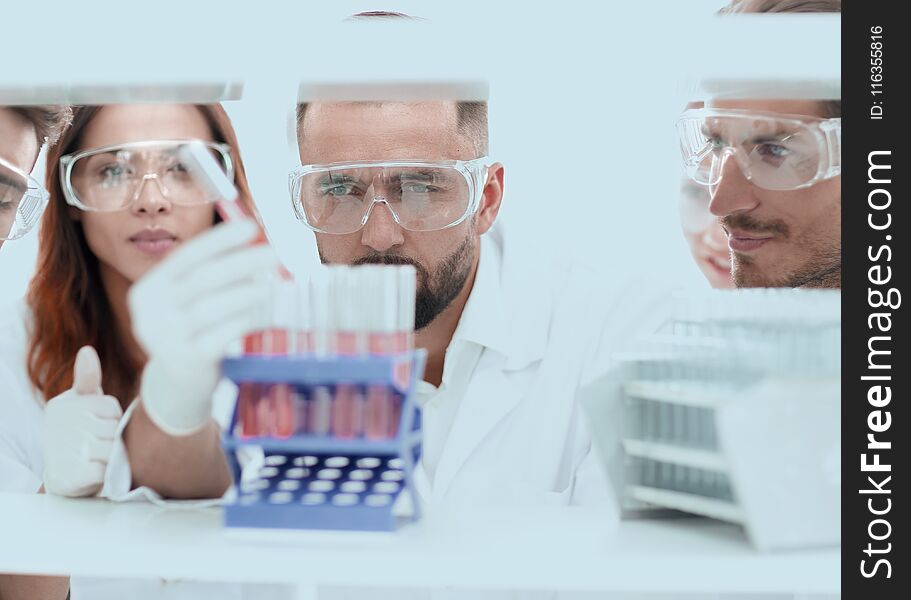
(471, 120)
(49, 120)
(782, 6)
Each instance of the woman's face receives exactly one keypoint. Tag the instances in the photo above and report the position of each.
(706, 238)
(131, 241)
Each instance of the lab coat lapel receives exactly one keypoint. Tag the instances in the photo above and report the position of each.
(488, 399)
(508, 319)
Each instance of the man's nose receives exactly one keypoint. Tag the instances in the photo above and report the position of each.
(381, 232)
(150, 197)
(733, 193)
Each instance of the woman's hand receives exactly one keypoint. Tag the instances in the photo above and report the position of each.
(80, 425)
(187, 310)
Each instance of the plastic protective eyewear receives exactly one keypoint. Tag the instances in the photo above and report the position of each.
(22, 201)
(694, 207)
(421, 195)
(773, 151)
(112, 178)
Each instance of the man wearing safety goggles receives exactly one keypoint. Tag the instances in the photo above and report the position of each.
(410, 183)
(393, 208)
(23, 131)
(773, 169)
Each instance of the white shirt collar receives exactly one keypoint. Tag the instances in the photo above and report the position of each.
(504, 313)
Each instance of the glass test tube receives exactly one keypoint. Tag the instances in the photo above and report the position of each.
(320, 403)
(301, 346)
(347, 405)
(277, 342)
(406, 292)
(204, 168)
(383, 311)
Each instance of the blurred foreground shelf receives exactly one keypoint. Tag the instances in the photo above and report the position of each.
(550, 548)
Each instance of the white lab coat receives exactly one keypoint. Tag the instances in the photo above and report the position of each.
(519, 437)
(21, 454)
(21, 409)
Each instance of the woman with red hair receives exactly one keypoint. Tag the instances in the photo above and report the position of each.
(120, 202)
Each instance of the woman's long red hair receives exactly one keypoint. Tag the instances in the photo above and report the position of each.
(69, 306)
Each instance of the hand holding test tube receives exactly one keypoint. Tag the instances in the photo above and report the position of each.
(186, 310)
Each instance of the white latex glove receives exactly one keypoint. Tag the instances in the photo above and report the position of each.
(185, 313)
(80, 425)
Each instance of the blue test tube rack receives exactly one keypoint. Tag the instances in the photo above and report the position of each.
(397, 456)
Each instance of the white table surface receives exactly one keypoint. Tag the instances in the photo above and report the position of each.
(569, 549)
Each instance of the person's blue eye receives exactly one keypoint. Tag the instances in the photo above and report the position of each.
(113, 174)
(340, 190)
(418, 188)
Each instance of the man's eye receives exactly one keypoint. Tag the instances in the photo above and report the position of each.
(773, 150)
(340, 190)
(418, 188)
(716, 143)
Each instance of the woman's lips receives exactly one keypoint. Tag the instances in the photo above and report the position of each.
(722, 265)
(154, 242)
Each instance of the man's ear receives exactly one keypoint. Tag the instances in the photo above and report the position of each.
(491, 198)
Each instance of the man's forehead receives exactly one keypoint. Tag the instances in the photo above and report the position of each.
(812, 108)
(437, 115)
(18, 144)
(340, 131)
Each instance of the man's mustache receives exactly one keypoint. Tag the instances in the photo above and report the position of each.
(392, 259)
(749, 224)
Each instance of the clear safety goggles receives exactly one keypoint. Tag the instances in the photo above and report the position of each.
(695, 217)
(338, 198)
(112, 178)
(773, 151)
(22, 201)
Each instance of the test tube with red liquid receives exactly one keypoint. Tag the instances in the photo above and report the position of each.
(319, 415)
(301, 346)
(276, 342)
(403, 341)
(347, 404)
(382, 281)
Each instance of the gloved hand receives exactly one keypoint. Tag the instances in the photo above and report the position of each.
(188, 309)
(80, 425)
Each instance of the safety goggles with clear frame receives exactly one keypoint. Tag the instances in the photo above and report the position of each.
(421, 195)
(112, 178)
(22, 201)
(773, 151)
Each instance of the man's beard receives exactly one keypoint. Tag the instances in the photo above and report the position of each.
(436, 291)
(821, 270)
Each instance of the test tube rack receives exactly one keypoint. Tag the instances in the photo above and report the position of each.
(731, 411)
(312, 481)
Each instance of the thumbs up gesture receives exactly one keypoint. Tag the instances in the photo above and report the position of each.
(79, 429)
